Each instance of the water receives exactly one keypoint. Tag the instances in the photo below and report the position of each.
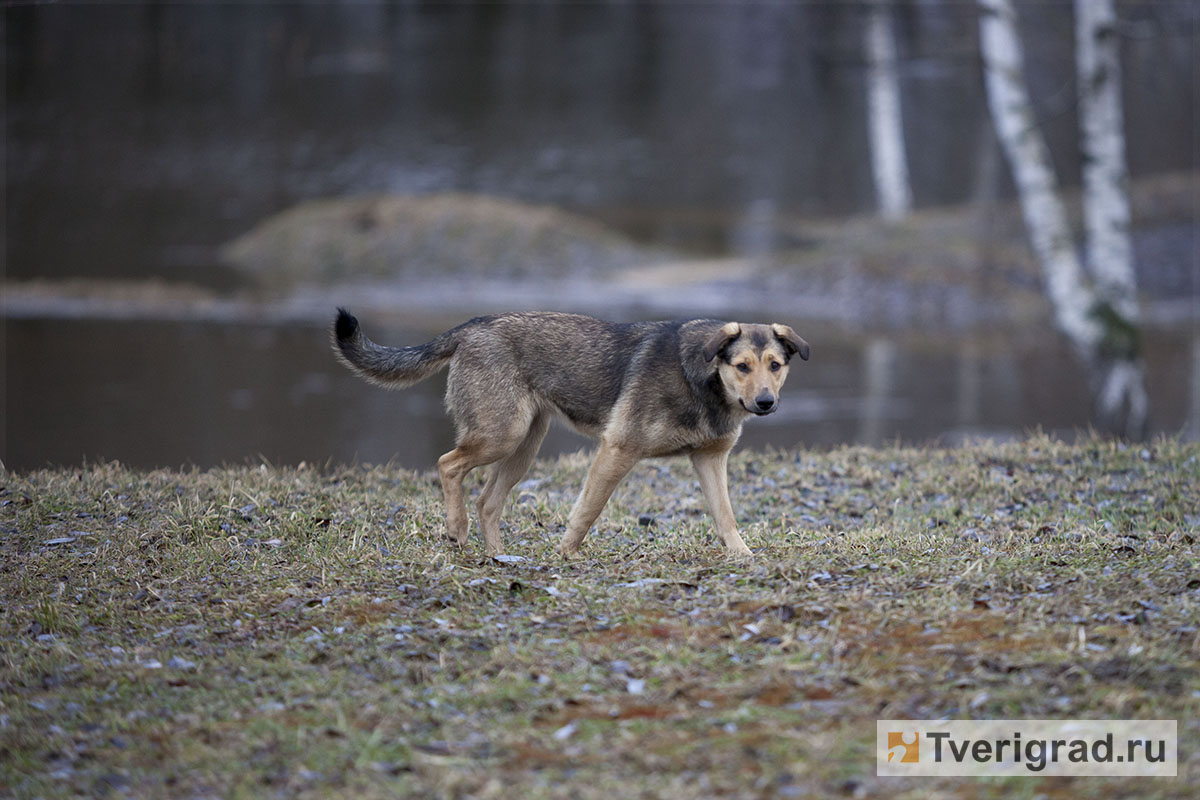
(153, 394)
(139, 138)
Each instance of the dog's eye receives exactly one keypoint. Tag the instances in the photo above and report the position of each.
(775, 365)
(743, 367)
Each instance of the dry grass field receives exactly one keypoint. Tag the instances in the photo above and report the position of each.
(261, 631)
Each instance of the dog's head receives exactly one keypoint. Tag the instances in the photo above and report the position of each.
(752, 362)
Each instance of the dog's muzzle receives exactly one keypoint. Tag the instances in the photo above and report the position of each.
(763, 404)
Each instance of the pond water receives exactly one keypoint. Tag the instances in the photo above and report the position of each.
(153, 394)
(142, 137)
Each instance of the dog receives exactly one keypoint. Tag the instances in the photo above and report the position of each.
(643, 389)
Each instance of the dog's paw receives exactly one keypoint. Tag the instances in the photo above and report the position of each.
(742, 553)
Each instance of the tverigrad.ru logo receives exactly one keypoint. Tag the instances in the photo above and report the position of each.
(1026, 747)
(905, 746)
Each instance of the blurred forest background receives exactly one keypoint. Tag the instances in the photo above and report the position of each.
(190, 189)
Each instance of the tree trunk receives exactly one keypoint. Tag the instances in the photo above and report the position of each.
(1121, 402)
(888, 163)
(1029, 158)
(1096, 324)
(1102, 141)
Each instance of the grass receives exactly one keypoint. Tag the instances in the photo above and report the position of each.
(298, 632)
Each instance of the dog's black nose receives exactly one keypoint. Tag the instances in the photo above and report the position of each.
(765, 402)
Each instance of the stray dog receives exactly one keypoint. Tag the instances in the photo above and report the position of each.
(643, 389)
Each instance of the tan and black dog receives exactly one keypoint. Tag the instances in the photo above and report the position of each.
(643, 389)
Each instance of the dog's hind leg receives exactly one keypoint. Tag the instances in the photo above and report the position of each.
(473, 451)
(712, 469)
(612, 463)
(504, 477)
(453, 467)
(493, 415)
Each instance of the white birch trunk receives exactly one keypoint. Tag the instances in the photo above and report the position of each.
(1102, 139)
(1029, 158)
(1101, 324)
(888, 163)
(1121, 402)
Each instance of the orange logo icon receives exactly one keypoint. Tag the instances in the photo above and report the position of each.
(906, 745)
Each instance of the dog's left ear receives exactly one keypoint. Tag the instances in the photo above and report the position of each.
(792, 343)
(728, 332)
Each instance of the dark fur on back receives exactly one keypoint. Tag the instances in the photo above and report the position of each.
(577, 365)
(581, 366)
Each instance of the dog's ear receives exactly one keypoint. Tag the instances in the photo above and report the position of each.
(728, 332)
(792, 343)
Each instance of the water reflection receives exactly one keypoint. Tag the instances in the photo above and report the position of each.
(163, 130)
(164, 394)
(880, 404)
(1192, 427)
(141, 137)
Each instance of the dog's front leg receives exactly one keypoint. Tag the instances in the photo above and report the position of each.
(612, 463)
(712, 468)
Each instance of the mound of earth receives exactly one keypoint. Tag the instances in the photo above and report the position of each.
(393, 237)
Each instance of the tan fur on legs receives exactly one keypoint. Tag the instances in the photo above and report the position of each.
(453, 467)
(494, 435)
(712, 468)
(504, 477)
(612, 463)
(476, 451)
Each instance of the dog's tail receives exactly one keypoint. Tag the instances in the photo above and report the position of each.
(393, 367)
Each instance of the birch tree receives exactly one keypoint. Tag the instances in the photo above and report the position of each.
(1106, 213)
(1100, 320)
(888, 163)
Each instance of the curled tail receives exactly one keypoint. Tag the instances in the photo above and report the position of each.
(393, 367)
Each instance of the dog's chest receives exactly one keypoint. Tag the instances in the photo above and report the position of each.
(661, 429)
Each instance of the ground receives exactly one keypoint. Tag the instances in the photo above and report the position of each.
(261, 631)
(442, 257)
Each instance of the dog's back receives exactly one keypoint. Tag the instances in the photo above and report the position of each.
(578, 365)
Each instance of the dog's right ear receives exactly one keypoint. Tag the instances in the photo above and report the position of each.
(728, 332)
(792, 342)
